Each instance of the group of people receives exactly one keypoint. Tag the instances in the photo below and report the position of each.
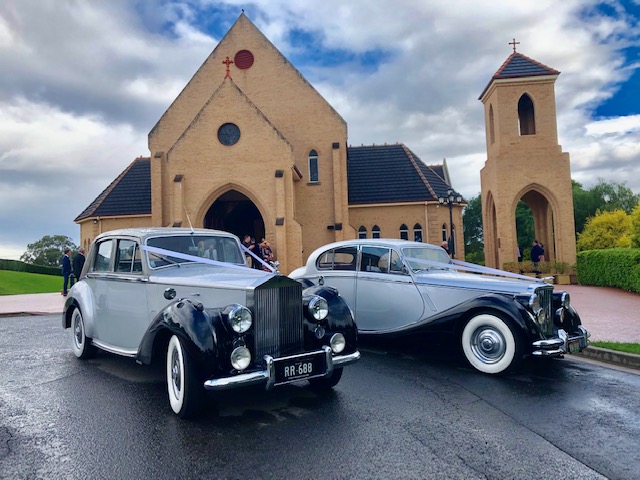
(537, 252)
(261, 250)
(71, 270)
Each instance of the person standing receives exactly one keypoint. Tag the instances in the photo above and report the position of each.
(267, 253)
(66, 271)
(78, 263)
(445, 246)
(247, 244)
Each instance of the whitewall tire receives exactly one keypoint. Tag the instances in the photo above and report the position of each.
(80, 343)
(490, 345)
(185, 392)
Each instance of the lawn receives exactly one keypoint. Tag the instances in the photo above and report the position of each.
(621, 347)
(14, 283)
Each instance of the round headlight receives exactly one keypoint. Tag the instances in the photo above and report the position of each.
(565, 299)
(238, 318)
(240, 358)
(318, 308)
(338, 343)
(534, 303)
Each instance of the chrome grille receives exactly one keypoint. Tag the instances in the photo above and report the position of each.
(278, 318)
(545, 294)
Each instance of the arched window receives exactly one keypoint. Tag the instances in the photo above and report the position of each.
(362, 232)
(444, 232)
(492, 132)
(404, 232)
(314, 177)
(375, 232)
(417, 232)
(526, 115)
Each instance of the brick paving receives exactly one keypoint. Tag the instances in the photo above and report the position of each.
(608, 313)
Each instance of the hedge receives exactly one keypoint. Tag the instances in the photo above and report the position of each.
(613, 267)
(18, 266)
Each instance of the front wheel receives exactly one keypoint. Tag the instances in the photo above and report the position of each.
(186, 394)
(326, 383)
(490, 345)
(80, 343)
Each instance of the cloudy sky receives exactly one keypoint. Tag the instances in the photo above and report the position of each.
(83, 82)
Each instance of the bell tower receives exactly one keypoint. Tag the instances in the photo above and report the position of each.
(525, 162)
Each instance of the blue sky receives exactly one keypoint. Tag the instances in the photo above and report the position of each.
(84, 82)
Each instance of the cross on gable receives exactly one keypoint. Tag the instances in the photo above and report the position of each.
(514, 43)
(227, 62)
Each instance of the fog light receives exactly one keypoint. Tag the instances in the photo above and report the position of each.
(338, 343)
(240, 358)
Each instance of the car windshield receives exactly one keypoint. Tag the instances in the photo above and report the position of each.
(429, 254)
(222, 249)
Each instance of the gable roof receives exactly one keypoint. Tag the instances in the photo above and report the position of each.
(518, 65)
(391, 174)
(128, 194)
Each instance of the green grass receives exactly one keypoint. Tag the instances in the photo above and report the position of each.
(621, 347)
(15, 283)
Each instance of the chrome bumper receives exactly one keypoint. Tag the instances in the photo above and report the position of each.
(563, 343)
(268, 376)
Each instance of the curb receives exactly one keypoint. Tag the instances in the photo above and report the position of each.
(629, 360)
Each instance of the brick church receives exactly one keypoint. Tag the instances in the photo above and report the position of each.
(249, 146)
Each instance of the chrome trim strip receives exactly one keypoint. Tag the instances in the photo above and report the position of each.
(547, 353)
(111, 349)
(268, 376)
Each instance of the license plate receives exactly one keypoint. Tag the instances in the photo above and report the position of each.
(574, 347)
(300, 367)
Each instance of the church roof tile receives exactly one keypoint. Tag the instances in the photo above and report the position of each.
(128, 194)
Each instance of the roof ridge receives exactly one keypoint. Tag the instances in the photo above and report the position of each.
(410, 155)
(87, 212)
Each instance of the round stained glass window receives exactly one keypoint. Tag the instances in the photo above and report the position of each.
(228, 134)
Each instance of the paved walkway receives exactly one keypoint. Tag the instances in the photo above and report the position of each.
(608, 313)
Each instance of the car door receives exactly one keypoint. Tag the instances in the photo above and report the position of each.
(386, 297)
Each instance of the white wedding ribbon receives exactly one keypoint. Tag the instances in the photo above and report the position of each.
(208, 261)
(459, 265)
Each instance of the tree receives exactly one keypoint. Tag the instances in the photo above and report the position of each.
(604, 196)
(48, 250)
(635, 227)
(524, 226)
(606, 230)
(473, 235)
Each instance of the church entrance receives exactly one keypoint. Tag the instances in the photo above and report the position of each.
(234, 212)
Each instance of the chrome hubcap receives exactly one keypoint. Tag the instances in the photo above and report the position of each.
(78, 332)
(488, 345)
(175, 373)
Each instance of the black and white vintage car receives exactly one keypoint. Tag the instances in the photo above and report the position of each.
(186, 298)
(397, 287)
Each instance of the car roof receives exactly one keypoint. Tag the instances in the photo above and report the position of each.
(378, 242)
(144, 233)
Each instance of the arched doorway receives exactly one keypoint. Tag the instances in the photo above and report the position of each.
(234, 212)
(543, 227)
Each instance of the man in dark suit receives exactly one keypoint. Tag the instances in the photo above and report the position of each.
(78, 263)
(66, 270)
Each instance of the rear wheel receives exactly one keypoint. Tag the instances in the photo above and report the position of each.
(80, 343)
(490, 345)
(186, 394)
(326, 383)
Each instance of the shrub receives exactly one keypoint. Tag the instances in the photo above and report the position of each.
(17, 266)
(606, 230)
(512, 267)
(561, 268)
(616, 267)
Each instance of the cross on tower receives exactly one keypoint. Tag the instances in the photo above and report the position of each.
(514, 43)
(227, 62)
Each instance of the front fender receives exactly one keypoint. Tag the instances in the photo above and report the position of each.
(80, 297)
(188, 320)
(340, 318)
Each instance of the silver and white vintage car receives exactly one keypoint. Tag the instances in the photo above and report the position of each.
(396, 287)
(186, 298)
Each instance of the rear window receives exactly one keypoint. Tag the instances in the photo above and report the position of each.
(342, 258)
